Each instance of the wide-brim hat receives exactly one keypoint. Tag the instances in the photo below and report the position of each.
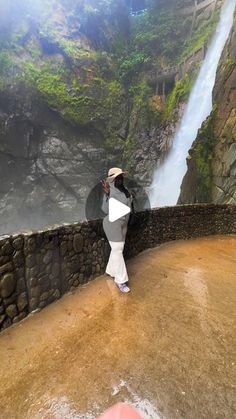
(113, 173)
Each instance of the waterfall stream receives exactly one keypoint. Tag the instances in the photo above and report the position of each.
(165, 187)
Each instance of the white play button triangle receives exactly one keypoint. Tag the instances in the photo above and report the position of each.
(117, 209)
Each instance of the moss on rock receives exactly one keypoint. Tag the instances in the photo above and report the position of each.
(88, 61)
(199, 36)
(94, 101)
(203, 150)
(179, 94)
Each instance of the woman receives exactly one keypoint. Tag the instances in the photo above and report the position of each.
(116, 230)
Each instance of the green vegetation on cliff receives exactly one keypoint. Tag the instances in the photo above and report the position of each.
(91, 102)
(199, 37)
(89, 61)
(64, 55)
(160, 38)
(203, 150)
(5, 65)
(159, 34)
(179, 94)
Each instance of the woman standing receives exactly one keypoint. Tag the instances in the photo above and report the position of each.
(116, 230)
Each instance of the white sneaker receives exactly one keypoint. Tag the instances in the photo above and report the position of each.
(123, 288)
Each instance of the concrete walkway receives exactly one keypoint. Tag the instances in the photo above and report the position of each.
(169, 347)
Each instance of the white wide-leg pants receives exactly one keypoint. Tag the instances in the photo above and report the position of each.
(116, 264)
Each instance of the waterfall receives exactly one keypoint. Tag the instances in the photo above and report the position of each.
(165, 187)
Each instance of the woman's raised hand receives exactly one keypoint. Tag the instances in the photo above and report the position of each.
(105, 186)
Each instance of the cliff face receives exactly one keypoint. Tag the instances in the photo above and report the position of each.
(211, 175)
(224, 153)
(47, 165)
(76, 99)
(60, 104)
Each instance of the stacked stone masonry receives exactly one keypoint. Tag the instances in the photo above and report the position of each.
(38, 267)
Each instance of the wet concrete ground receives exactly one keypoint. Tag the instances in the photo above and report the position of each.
(168, 348)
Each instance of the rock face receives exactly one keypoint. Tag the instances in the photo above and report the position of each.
(53, 113)
(211, 176)
(72, 105)
(224, 155)
(47, 165)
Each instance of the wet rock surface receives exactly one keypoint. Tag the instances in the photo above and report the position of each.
(12, 282)
(47, 171)
(224, 157)
(219, 158)
(153, 145)
(168, 347)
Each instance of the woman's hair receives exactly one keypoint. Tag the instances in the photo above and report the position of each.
(119, 184)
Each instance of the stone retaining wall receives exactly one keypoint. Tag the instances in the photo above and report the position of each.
(37, 268)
